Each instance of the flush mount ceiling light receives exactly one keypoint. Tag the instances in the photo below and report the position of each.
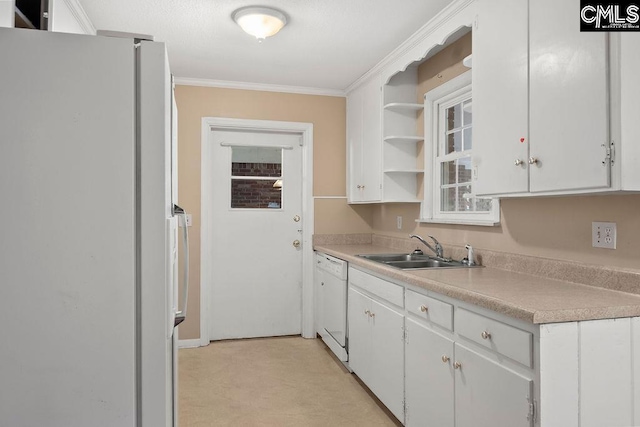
(259, 21)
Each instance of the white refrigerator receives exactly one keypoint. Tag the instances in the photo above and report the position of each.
(88, 246)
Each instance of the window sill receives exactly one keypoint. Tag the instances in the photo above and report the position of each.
(480, 222)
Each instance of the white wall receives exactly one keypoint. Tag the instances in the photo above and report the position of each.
(7, 14)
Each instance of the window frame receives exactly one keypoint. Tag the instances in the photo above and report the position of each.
(436, 101)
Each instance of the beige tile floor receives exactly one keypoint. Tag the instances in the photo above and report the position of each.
(287, 381)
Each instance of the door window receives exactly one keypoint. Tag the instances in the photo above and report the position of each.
(256, 178)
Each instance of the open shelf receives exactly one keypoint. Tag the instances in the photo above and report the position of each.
(404, 171)
(403, 139)
(403, 106)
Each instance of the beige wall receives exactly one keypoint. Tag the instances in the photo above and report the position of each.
(328, 115)
(554, 227)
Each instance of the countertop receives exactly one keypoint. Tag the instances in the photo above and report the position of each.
(530, 298)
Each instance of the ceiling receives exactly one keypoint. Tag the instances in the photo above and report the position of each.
(327, 44)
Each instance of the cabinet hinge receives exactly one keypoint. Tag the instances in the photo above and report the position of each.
(533, 413)
(609, 153)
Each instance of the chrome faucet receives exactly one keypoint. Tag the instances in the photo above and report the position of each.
(437, 249)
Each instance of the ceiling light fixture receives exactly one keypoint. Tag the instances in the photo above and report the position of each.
(259, 21)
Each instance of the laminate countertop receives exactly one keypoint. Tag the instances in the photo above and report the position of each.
(530, 298)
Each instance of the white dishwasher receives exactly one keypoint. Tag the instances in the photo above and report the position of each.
(332, 277)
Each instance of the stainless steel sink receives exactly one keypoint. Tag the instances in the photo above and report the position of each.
(414, 261)
(394, 257)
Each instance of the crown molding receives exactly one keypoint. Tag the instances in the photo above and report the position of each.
(81, 16)
(226, 84)
(415, 39)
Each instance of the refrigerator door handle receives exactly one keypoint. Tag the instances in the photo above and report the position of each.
(182, 314)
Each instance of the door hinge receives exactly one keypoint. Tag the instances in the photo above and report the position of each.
(609, 153)
(533, 413)
(406, 411)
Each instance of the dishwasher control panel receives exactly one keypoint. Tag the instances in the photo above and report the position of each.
(335, 266)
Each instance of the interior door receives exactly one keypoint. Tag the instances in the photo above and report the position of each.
(256, 234)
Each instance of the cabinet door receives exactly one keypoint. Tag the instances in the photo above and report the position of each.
(500, 97)
(489, 395)
(354, 145)
(387, 357)
(429, 377)
(569, 95)
(359, 334)
(372, 141)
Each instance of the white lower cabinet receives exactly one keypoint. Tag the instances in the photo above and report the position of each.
(437, 361)
(376, 348)
(450, 385)
(430, 377)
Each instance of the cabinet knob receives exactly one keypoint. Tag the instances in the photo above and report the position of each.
(445, 358)
(424, 308)
(321, 283)
(485, 335)
(533, 161)
(518, 162)
(367, 312)
(359, 187)
(457, 365)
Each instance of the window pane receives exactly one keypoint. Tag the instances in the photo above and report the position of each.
(448, 172)
(454, 142)
(255, 194)
(484, 205)
(464, 169)
(256, 161)
(465, 200)
(466, 107)
(448, 199)
(468, 136)
(454, 117)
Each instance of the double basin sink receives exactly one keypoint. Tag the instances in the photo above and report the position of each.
(415, 261)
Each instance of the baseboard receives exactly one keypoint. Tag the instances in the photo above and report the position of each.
(189, 343)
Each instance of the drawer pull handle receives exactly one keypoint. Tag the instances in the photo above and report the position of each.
(457, 365)
(424, 308)
(367, 312)
(485, 335)
(445, 358)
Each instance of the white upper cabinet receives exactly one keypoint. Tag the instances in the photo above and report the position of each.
(364, 106)
(547, 101)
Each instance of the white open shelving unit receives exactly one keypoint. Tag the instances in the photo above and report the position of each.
(401, 142)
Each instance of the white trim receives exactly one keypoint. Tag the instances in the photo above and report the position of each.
(438, 21)
(329, 197)
(191, 343)
(81, 16)
(265, 87)
(306, 129)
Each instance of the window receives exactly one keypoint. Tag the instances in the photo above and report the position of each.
(449, 196)
(256, 178)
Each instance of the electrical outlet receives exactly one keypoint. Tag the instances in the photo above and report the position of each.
(603, 235)
(189, 220)
(399, 222)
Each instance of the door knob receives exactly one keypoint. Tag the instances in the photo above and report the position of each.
(296, 243)
(296, 218)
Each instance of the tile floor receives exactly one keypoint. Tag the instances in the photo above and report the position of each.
(285, 381)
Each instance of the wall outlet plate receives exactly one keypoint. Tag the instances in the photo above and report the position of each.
(603, 235)
(189, 220)
(399, 222)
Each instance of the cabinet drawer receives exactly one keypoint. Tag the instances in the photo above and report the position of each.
(381, 288)
(499, 337)
(435, 311)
